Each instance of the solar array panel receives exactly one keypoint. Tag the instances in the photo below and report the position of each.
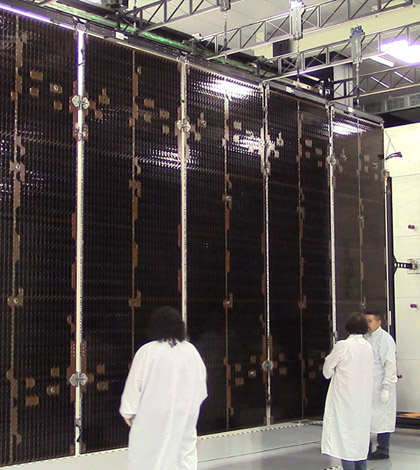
(256, 170)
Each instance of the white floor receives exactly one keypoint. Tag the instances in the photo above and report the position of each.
(405, 455)
(292, 446)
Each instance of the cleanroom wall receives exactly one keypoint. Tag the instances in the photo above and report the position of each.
(198, 191)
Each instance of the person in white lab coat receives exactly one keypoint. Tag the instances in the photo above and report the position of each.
(384, 406)
(348, 407)
(162, 397)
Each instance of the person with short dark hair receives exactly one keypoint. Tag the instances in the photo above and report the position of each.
(162, 397)
(384, 406)
(347, 415)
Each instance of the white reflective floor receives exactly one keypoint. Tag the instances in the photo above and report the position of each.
(405, 455)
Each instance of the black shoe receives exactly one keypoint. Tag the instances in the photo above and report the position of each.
(377, 455)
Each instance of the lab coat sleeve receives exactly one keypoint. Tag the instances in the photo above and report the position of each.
(390, 374)
(333, 359)
(389, 363)
(131, 395)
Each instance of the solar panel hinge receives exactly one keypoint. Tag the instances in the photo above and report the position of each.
(78, 378)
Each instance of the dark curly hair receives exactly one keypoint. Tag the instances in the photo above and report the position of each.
(166, 324)
(356, 324)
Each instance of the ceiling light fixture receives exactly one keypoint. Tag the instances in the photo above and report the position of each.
(403, 51)
(382, 60)
(380, 82)
(404, 77)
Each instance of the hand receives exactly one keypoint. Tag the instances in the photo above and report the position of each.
(128, 421)
(384, 396)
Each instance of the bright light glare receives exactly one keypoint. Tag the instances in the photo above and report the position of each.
(401, 50)
(28, 14)
(382, 60)
(343, 128)
(231, 89)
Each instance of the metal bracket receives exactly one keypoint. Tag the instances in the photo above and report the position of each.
(267, 366)
(356, 37)
(297, 9)
(79, 102)
(412, 266)
(224, 5)
(78, 378)
(183, 125)
(331, 160)
(415, 266)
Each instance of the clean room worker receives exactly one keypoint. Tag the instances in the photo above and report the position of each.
(384, 406)
(162, 397)
(348, 407)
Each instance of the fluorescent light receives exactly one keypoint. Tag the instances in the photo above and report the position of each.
(315, 79)
(28, 14)
(404, 77)
(402, 50)
(381, 83)
(382, 60)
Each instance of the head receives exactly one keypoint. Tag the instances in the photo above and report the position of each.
(166, 324)
(356, 324)
(374, 320)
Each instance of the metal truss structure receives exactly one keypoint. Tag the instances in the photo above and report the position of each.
(376, 83)
(279, 27)
(339, 53)
(281, 67)
(167, 12)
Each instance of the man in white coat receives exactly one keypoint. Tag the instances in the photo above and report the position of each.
(162, 397)
(347, 415)
(384, 406)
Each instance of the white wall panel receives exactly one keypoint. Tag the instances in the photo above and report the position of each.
(406, 205)
(408, 328)
(405, 139)
(408, 386)
(405, 173)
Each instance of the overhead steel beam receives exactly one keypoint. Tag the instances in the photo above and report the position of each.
(339, 53)
(279, 27)
(376, 83)
(168, 12)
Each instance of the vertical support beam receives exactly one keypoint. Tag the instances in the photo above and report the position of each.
(228, 302)
(80, 135)
(265, 170)
(15, 299)
(184, 127)
(135, 301)
(389, 255)
(331, 181)
(360, 215)
(301, 214)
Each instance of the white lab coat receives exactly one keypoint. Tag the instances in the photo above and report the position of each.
(384, 377)
(347, 415)
(163, 393)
